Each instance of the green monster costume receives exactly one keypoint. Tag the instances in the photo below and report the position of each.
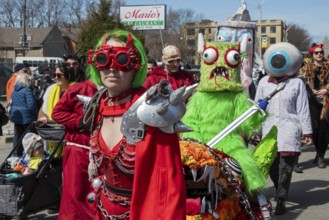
(219, 100)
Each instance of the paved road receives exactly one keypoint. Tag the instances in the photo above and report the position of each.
(308, 198)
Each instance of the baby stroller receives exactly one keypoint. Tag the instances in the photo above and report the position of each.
(38, 191)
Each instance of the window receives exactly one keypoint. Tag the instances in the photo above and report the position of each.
(272, 40)
(272, 29)
(190, 32)
(201, 30)
(263, 29)
(209, 30)
(28, 37)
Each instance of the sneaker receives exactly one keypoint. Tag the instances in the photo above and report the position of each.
(297, 169)
(266, 211)
(280, 208)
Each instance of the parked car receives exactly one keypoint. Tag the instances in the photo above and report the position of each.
(5, 74)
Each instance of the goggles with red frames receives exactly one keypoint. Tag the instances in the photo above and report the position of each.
(124, 59)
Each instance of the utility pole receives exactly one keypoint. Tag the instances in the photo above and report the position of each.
(24, 27)
(287, 29)
(260, 26)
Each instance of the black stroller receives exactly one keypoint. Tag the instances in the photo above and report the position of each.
(32, 193)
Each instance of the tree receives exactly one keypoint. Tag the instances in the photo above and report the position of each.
(299, 37)
(99, 21)
(154, 39)
(325, 43)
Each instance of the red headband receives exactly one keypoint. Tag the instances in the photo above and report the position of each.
(314, 48)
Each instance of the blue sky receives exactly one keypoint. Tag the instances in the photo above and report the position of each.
(313, 15)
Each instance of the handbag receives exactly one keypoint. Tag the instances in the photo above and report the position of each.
(4, 117)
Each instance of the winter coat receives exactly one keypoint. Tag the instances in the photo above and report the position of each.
(24, 109)
(308, 72)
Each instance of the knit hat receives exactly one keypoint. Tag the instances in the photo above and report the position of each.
(20, 66)
(170, 52)
(314, 47)
(31, 142)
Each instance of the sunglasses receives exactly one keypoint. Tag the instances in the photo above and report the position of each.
(318, 52)
(73, 64)
(58, 75)
(171, 62)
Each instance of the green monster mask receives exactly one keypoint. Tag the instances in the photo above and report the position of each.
(220, 67)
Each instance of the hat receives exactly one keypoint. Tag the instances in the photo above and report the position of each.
(43, 67)
(170, 52)
(31, 142)
(314, 47)
(20, 66)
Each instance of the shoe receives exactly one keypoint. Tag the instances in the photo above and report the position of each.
(297, 169)
(280, 208)
(321, 163)
(266, 211)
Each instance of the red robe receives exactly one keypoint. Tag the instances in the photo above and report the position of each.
(76, 186)
(158, 182)
(176, 80)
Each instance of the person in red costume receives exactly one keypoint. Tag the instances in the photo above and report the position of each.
(143, 179)
(172, 72)
(75, 187)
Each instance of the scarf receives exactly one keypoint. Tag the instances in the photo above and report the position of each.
(54, 96)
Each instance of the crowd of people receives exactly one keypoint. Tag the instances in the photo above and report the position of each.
(108, 175)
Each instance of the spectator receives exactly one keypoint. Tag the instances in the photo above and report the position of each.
(23, 110)
(132, 171)
(75, 63)
(172, 72)
(76, 185)
(19, 68)
(34, 154)
(316, 74)
(43, 82)
(288, 110)
(64, 78)
(150, 65)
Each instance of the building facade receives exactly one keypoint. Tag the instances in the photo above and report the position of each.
(190, 36)
(268, 32)
(39, 42)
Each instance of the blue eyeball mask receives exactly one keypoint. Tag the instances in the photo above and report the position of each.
(282, 59)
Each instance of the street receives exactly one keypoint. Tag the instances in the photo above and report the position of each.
(308, 197)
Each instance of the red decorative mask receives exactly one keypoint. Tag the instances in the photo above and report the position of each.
(124, 59)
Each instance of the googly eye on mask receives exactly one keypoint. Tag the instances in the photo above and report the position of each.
(282, 59)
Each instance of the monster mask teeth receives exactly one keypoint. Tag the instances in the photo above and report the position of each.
(220, 71)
